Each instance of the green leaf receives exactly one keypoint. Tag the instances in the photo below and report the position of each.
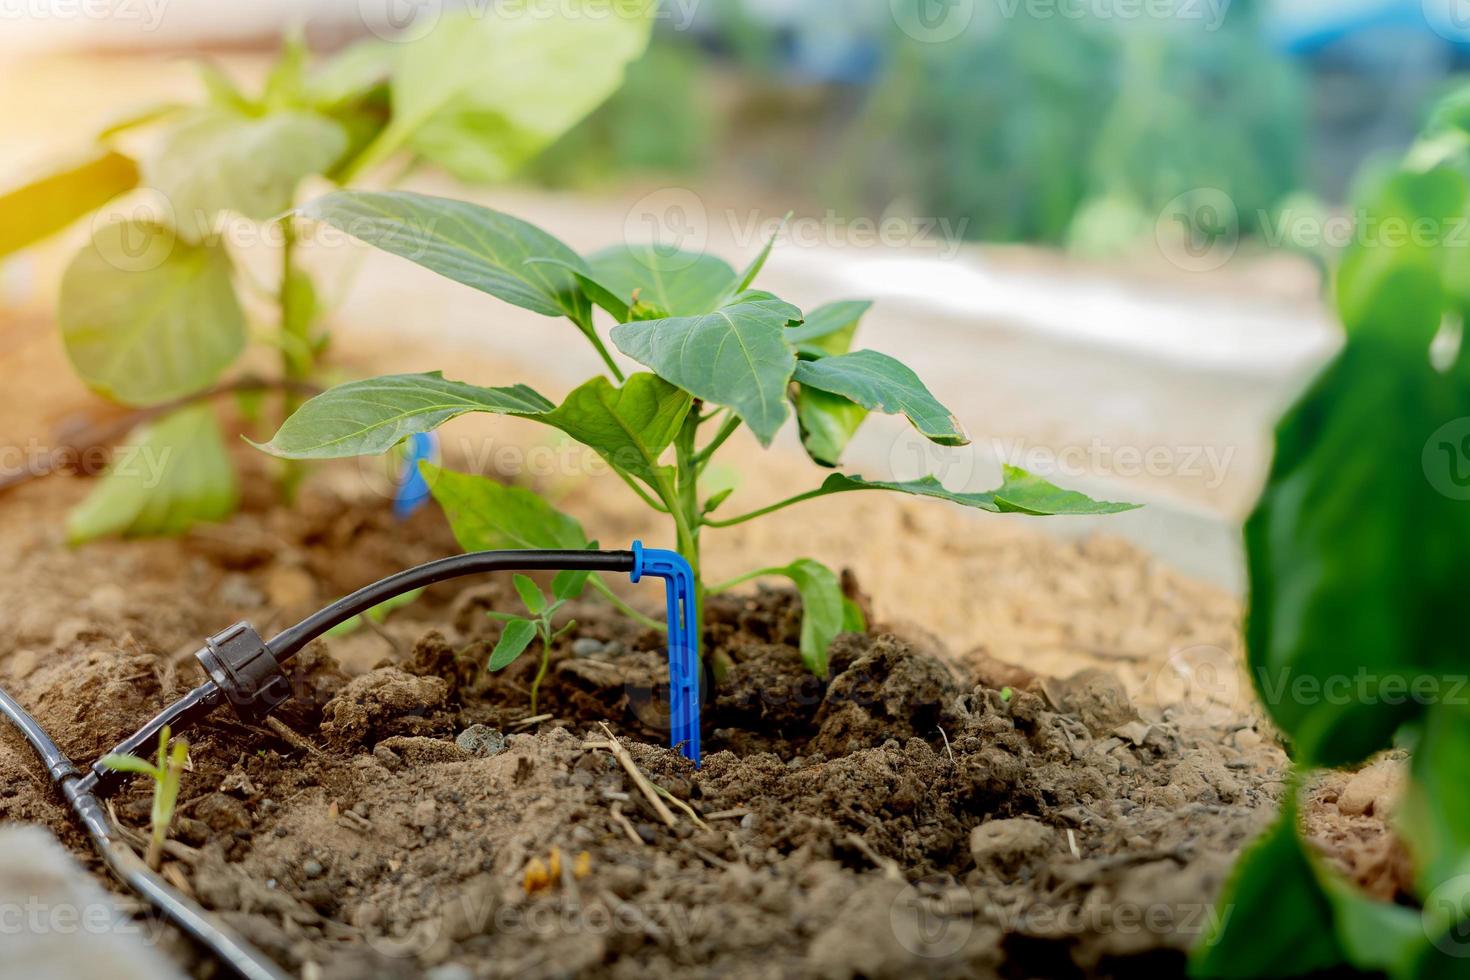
(41, 208)
(568, 583)
(481, 95)
(828, 329)
(351, 75)
(472, 245)
(377, 614)
(827, 422)
(130, 763)
(514, 639)
(166, 792)
(139, 117)
(716, 499)
(1434, 818)
(1389, 283)
(1273, 918)
(1391, 292)
(822, 613)
(1355, 549)
(747, 277)
(285, 83)
(369, 417)
(215, 160)
(853, 620)
(146, 318)
(221, 90)
(172, 474)
(531, 596)
(487, 516)
(1021, 493)
(630, 427)
(676, 283)
(736, 356)
(881, 384)
(1373, 935)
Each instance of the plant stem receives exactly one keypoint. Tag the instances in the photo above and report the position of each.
(154, 856)
(780, 504)
(688, 512)
(742, 579)
(105, 433)
(296, 318)
(702, 458)
(298, 354)
(545, 632)
(647, 497)
(590, 332)
(685, 507)
(623, 607)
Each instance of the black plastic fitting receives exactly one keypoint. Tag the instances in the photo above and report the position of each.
(246, 672)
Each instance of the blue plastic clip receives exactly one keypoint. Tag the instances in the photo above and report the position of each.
(683, 642)
(413, 489)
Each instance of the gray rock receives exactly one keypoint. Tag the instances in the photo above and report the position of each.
(1004, 845)
(481, 740)
(586, 646)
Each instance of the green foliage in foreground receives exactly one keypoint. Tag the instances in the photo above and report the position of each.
(719, 354)
(1359, 552)
(151, 310)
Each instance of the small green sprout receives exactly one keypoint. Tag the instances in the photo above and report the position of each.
(519, 631)
(1006, 694)
(166, 775)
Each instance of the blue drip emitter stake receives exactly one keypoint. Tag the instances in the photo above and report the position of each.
(683, 618)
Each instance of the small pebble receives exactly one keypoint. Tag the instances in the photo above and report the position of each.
(451, 971)
(313, 868)
(481, 740)
(586, 646)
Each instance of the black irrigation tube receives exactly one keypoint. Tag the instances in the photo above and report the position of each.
(246, 671)
(230, 949)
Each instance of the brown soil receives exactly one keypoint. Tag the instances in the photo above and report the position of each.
(919, 812)
(905, 815)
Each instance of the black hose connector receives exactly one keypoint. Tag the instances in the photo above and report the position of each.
(247, 674)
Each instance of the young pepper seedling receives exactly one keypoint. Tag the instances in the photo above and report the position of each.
(166, 775)
(519, 631)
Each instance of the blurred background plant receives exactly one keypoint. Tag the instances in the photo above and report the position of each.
(1047, 123)
(151, 310)
(1136, 143)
